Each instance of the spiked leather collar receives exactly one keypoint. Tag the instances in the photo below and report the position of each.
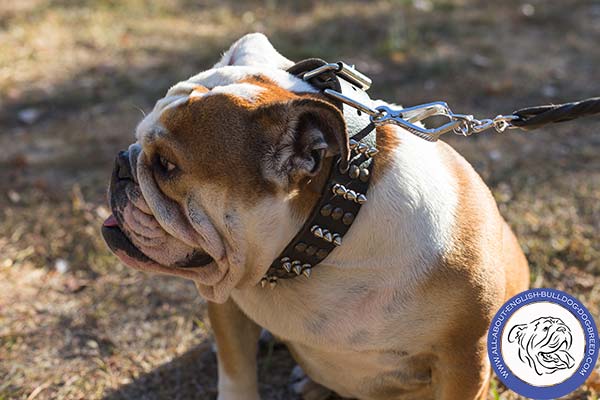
(345, 190)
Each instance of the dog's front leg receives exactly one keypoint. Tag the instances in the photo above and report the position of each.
(237, 341)
(463, 373)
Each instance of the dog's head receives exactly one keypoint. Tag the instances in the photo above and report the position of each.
(210, 190)
(544, 344)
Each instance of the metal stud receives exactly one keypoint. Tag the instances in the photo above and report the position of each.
(326, 210)
(337, 240)
(300, 247)
(371, 152)
(285, 259)
(350, 195)
(273, 283)
(298, 269)
(263, 282)
(354, 171)
(311, 250)
(361, 199)
(352, 143)
(321, 254)
(337, 213)
(306, 272)
(348, 218)
(364, 175)
(338, 189)
(327, 236)
(287, 266)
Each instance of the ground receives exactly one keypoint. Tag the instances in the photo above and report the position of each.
(76, 76)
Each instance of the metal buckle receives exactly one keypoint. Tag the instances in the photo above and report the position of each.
(346, 71)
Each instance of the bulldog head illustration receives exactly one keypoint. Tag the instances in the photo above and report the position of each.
(544, 344)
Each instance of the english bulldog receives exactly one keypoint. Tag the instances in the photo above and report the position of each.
(224, 172)
(544, 344)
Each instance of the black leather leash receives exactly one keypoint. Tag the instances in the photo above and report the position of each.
(537, 117)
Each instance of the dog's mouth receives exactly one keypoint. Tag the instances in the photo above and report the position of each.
(118, 242)
(558, 357)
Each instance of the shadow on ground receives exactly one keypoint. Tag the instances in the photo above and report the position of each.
(193, 376)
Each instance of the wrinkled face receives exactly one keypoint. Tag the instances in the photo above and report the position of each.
(544, 344)
(210, 189)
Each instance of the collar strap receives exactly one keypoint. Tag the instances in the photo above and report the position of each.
(345, 190)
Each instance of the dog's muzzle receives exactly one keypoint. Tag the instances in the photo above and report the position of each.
(123, 176)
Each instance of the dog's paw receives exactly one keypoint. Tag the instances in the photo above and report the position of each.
(303, 386)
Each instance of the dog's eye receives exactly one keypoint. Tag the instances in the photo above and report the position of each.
(166, 164)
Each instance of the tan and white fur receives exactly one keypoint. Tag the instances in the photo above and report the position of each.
(399, 311)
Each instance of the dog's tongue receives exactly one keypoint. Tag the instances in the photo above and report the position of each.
(110, 221)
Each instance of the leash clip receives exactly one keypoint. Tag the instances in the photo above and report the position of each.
(460, 124)
(408, 118)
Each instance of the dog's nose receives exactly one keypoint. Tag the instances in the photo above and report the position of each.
(123, 166)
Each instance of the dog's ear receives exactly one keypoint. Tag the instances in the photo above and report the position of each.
(254, 49)
(301, 133)
(516, 333)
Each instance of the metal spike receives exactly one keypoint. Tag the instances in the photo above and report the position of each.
(338, 189)
(318, 233)
(328, 236)
(350, 195)
(364, 175)
(361, 199)
(361, 148)
(263, 282)
(273, 283)
(371, 152)
(285, 259)
(354, 172)
(297, 269)
(287, 266)
(306, 272)
(352, 143)
(337, 240)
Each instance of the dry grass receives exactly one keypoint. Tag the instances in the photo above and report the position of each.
(75, 324)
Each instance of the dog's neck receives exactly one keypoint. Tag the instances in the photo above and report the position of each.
(395, 241)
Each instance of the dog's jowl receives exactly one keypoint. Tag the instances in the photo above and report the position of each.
(227, 169)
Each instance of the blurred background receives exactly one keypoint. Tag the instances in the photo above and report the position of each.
(75, 77)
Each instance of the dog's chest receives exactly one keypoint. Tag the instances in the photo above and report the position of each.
(369, 375)
(360, 341)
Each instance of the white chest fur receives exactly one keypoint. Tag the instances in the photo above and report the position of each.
(361, 298)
